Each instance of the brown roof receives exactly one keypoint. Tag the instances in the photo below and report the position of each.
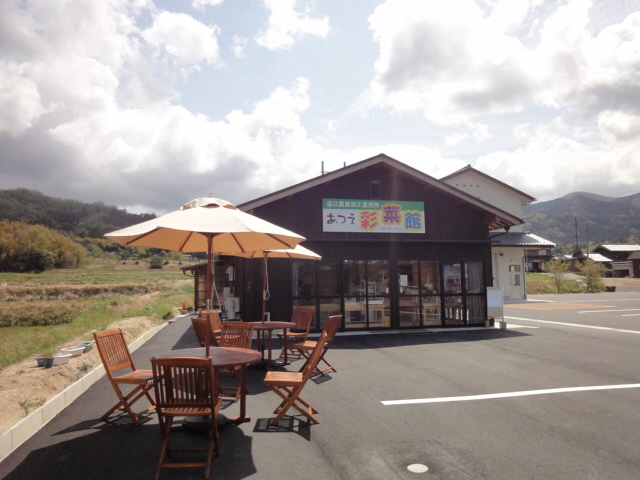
(495, 217)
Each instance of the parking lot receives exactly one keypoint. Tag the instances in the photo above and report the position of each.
(555, 395)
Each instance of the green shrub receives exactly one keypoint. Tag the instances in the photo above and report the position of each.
(28, 314)
(156, 262)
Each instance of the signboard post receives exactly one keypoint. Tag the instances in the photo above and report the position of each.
(495, 305)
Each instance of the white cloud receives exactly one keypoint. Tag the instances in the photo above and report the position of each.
(558, 158)
(20, 101)
(239, 46)
(184, 38)
(200, 4)
(457, 61)
(620, 126)
(286, 25)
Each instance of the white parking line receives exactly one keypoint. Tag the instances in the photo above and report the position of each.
(631, 315)
(575, 325)
(605, 311)
(488, 396)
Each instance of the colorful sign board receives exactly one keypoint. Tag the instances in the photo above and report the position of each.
(372, 216)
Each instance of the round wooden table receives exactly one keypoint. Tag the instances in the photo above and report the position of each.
(224, 357)
(269, 327)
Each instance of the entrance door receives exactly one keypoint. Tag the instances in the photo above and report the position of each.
(366, 294)
(515, 282)
(418, 291)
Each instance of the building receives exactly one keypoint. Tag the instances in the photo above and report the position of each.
(619, 259)
(400, 249)
(514, 250)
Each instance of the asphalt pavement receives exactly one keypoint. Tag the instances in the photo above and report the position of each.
(552, 396)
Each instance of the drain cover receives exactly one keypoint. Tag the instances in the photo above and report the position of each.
(417, 468)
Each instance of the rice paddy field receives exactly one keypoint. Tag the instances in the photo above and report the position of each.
(40, 312)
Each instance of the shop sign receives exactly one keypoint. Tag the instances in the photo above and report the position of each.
(372, 216)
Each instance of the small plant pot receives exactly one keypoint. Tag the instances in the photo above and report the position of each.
(61, 358)
(74, 351)
(87, 345)
(46, 362)
(183, 311)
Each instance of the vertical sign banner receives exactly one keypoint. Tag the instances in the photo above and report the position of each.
(372, 216)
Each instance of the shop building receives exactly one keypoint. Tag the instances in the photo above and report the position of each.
(400, 249)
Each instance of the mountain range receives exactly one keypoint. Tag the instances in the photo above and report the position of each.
(595, 219)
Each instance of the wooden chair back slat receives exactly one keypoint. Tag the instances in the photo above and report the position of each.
(113, 350)
(315, 357)
(186, 387)
(214, 318)
(302, 317)
(236, 334)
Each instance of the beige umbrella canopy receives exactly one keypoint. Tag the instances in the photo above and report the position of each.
(207, 225)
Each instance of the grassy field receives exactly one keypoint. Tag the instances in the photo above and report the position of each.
(43, 311)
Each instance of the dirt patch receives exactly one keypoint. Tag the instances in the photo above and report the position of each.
(622, 282)
(24, 386)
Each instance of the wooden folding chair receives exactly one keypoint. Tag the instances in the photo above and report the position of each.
(302, 317)
(186, 387)
(289, 385)
(331, 326)
(203, 330)
(239, 335)
(213, 316)
(115, 356)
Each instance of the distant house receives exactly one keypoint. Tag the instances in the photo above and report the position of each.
(634, 258)
(513, 250)
(616, 259)
(616, 252)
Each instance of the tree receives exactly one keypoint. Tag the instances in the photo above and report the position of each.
(592, 273)
(35, 248)
(558, 268)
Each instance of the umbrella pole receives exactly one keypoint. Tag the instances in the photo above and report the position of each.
(264, 287)
(207, 339)
(210, 269)
(209, 284)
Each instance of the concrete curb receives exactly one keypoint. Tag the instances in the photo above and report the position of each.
(25, 428)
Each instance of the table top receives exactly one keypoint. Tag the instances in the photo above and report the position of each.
(220, 356)
(272, 325)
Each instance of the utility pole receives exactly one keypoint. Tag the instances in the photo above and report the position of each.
(577, 251)
(586, 234)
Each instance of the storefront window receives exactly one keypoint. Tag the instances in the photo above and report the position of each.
(473, 276)
(304, 279)
(409, 293)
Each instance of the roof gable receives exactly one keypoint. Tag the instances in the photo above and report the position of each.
(525, 198)
(494, 217)
(520, 239)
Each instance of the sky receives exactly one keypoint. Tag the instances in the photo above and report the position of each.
(148, 104)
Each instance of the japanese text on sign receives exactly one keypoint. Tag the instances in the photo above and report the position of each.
(379, 216)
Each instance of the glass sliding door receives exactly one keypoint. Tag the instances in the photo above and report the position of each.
(329, 295)
(366, 293)
(378, 304)
(430, 292)
(355, 294)
(409, 293)
(453, 299)
(475, 293)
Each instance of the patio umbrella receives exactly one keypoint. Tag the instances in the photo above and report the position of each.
(298, 252)
(207, 225)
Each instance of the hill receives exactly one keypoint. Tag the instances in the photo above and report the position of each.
(85, 220)
(600, 219)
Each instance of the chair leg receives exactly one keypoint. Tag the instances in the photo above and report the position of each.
(165, 430)
(291, 400)
(126, 401)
